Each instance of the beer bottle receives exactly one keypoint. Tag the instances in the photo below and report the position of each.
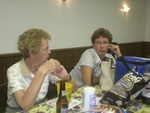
(62, 102)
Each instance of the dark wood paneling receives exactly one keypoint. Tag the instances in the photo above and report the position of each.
(3, 98)
(7, 62)
(17, 58)
(133, 49)
(1, 70)
(147, 49)
(69, 57)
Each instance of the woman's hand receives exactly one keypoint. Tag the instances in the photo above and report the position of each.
(50, 66)
(62, 73)
(54, 67)
(115, 49)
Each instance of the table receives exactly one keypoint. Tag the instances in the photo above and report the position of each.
(50, 107)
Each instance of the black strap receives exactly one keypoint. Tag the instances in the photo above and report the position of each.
(124, 63)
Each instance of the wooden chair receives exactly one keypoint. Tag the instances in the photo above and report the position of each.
(3, 97)
(52, 91)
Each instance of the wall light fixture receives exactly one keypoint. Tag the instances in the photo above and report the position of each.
(125, 9)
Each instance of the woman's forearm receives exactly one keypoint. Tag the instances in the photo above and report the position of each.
(95, 80)
(28, 98)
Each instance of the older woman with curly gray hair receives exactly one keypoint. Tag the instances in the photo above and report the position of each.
(29, 78)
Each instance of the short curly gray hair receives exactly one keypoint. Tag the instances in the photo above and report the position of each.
(31, 40)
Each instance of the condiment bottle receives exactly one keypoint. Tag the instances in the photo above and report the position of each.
(62, 102)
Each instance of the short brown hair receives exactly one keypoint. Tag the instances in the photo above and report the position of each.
(101, 32)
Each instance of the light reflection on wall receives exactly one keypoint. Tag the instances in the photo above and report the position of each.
(60, 2)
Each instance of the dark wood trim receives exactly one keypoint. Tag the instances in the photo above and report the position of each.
(3, 97)
(70, 56)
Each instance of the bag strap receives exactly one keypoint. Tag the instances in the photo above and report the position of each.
(122, 59)
(124, 63)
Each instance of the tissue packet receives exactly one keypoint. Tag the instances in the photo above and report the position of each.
(120, 93)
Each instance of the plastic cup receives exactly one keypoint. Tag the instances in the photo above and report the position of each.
(89, 99)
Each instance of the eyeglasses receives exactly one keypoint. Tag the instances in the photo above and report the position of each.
(45, 49)
(100, 43)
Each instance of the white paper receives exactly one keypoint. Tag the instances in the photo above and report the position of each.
(73, 103)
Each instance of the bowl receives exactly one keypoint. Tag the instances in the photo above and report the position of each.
(68, 87)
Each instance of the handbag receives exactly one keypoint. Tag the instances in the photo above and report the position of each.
(125, 64)
(107, 75)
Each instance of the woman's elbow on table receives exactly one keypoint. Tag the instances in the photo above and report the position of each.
(26, 108)
(23, 103)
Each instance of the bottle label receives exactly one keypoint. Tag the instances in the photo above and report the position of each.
(63, 92)
(64, 110)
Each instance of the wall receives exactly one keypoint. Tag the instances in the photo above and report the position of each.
(71, 23)
(147, 38)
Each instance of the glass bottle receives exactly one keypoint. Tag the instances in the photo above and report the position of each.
(62, 102)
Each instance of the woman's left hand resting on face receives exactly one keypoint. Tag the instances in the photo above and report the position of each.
(115, 49)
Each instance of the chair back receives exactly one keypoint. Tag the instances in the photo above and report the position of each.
(3, 97)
